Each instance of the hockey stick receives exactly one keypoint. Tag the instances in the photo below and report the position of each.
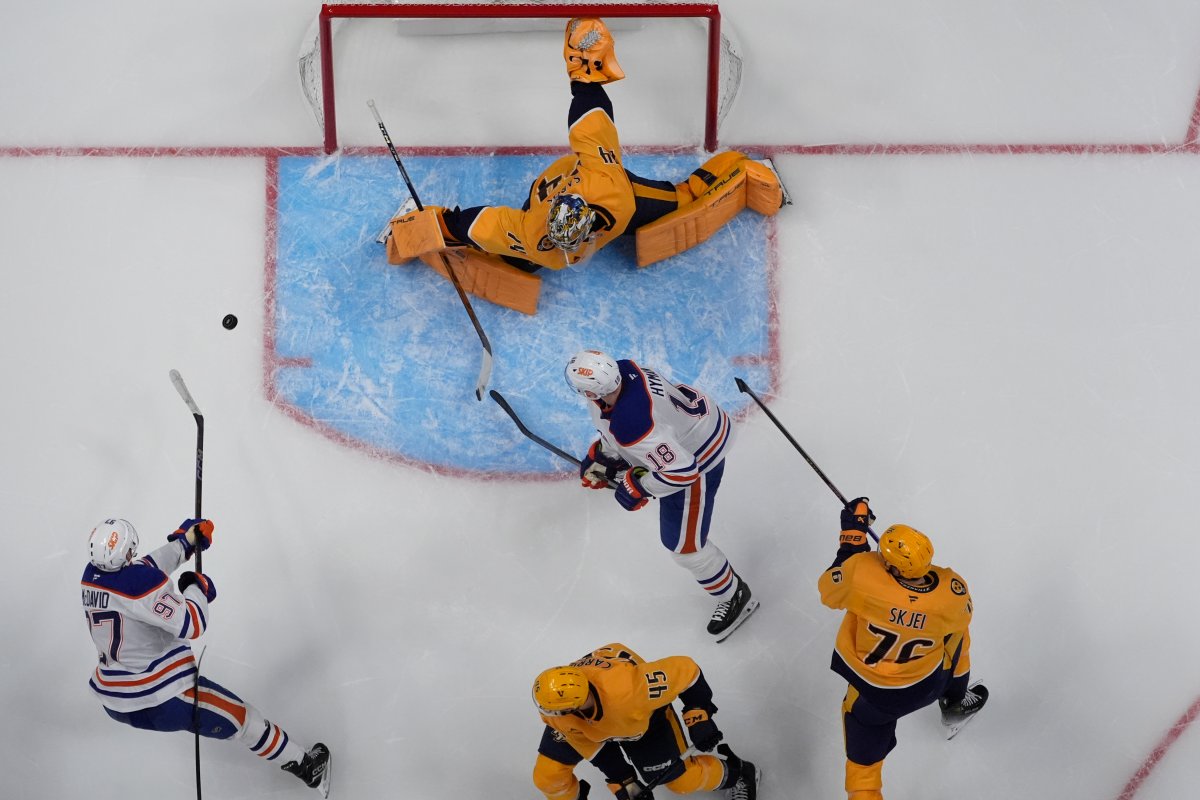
(563, 454)
(741, 384)
(485, 365)
(181, 387)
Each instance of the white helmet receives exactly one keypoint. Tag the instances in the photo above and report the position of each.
(113, 544)
(593, 374)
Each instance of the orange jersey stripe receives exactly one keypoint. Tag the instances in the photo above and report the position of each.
(149, 678)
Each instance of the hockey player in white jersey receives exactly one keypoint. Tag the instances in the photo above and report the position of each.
(141, 627)
(666, 441)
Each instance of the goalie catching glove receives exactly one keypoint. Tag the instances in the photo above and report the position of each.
(598, 469)
(588, 51)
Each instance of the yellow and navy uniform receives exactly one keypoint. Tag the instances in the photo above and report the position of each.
(897, 632)
(594, 171)
(903, 643)
(634, 722)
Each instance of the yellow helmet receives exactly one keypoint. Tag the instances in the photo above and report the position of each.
(906, 549)
(560, 690)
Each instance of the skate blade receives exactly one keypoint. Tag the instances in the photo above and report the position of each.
(405, 207)
(745, 615)
(769, 164)
(953, 728)
(323, 786)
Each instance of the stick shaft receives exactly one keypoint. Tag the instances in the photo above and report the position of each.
(741, 384)
(485, 365)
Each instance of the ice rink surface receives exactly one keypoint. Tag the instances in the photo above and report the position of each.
(988, 320)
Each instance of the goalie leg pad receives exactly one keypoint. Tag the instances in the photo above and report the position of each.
(764, 191)
(708, 174)
(415, 234)
(694, 223)
(488, 277)
(588, 51)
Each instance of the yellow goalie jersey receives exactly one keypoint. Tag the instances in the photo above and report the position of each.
(897, 631)
(629, 690)
(594, 171)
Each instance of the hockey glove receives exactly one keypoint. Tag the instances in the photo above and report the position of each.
(588, 51)
(632, 790)
(630, 493)
(598, 468)
(202, 535)
(205, 583)
(857, 517)
(703, 731)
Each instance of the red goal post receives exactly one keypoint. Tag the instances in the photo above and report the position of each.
(316, 61)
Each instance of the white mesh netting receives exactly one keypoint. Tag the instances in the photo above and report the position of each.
(370, 48)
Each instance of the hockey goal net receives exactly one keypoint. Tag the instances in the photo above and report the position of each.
(333, 65)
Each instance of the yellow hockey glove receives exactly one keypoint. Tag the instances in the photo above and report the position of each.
(588, 51)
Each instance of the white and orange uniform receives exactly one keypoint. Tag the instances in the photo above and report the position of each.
(681, 437)
(146, 676)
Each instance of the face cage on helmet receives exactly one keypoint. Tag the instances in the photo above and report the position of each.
(570, 233)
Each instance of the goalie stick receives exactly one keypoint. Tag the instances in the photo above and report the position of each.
(741, 384)
(181, 387)
(485, 365)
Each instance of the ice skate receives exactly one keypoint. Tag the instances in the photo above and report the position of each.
(746, 780)
(314, 769)
(730, 614)
(956, 716)
(405, 207)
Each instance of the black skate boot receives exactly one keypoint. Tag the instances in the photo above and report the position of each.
(741, 777)
(731, 613)
(956, 715)
(314, 769)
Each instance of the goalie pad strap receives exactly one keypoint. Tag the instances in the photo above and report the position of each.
(488, 277)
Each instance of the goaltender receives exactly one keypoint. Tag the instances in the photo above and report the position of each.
(584, 200)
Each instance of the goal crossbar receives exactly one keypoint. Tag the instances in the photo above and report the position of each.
(332, 11)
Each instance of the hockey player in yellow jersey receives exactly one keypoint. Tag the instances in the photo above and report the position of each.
(584, 200)
(903, 643)
(617, 710)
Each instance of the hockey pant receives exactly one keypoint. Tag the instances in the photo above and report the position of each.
(683, 522)
(654, 754)
(869, 716)
(220, 714)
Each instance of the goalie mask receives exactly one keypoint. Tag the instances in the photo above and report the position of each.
(112, 544)
(569, 222)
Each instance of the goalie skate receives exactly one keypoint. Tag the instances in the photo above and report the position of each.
(769, 164)
(405, 207)
(730, 614)
(956, 717)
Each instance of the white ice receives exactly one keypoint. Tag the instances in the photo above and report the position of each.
(999, 349)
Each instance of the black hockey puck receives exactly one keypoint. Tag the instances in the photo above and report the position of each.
(230, 322)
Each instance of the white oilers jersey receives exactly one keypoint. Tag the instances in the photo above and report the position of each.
(140, 626)
(672, 430)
